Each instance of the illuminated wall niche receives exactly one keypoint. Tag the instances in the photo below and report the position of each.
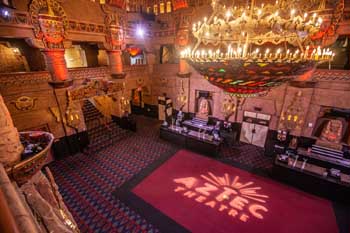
(75, 57)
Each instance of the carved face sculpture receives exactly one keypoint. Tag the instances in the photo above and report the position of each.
(115, 36)
(204, 107)
(333, 131)
(182, 37)
(51, 28)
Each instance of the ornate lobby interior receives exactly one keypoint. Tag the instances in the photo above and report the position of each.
(206, 116)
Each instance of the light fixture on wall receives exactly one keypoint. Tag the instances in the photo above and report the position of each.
(228, 107)
(293, 117)
(100, 1)
(182, 97)
(248, 49)
(140, 32)
(5, 11)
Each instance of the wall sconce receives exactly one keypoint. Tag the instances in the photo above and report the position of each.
(124, 101)
(228, 107)
(292, 117)
(5, 13)
(182, 98)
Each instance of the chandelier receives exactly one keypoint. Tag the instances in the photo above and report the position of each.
(246, 49)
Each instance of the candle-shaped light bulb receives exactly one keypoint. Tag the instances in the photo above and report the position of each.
(259, 13)
(278, 53)
(228, 14)
(320, 20)
(305, 16)
(292, 12)
(205, 19)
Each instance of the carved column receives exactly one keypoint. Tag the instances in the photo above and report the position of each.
(10, 145)
(114, 41)
(183, 83)
(50, 25)
(56, 65)
(116, 64)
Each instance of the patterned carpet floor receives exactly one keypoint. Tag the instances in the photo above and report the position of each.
(86, 182)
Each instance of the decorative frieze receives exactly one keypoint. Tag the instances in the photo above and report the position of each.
(87, 27)
(89, 73)
(331, 75)
(17, 18)
(22, 79)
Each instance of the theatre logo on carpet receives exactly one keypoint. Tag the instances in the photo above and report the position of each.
(224, 194)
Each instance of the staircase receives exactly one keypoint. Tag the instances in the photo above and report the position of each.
(101, 132)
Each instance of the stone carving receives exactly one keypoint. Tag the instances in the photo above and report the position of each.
(24, 103)
(93, 88)
(114, 32)
(182, 38)
(86, 27)
(10, 145)
(183, 22)
(51, 26)
(22, 79)
(88, 73)
(56, 113)
(203, 110)
(332, 131)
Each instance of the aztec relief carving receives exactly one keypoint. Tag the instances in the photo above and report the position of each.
(24, 103)
(49, 27)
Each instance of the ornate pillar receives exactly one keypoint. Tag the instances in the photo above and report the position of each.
(116, 64)
(50, 32)
(114, 44)
(56, 65)
(183, 82)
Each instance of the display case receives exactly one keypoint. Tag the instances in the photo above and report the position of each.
(323, 174)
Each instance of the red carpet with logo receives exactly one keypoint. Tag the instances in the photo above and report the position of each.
(204, 195)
